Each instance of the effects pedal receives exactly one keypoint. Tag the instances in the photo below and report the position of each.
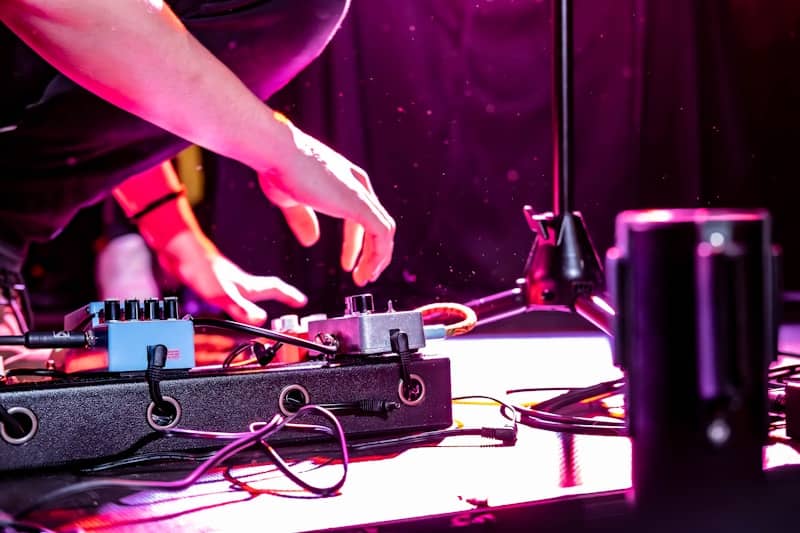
(127, 331)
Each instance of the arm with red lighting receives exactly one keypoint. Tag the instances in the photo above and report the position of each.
(137, 55)
(155, 200)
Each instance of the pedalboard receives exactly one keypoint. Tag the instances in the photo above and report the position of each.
(94, 419)
(371, 377)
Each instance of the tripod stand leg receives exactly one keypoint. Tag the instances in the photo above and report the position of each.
(597, 310)
(499, 305)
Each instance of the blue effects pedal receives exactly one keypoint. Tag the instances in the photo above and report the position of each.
(127, 331)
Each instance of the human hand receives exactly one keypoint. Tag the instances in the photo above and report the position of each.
(313, 177)
(124, 269)
(196, 262)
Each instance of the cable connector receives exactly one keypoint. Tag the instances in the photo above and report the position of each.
(364, 407)
(54, 339)
(435, 331)
(265, 354)
(506, 434)
(156, 360)
(377, 406)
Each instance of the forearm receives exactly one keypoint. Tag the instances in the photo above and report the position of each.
(140, 57)
(161, 224)
(184, 251)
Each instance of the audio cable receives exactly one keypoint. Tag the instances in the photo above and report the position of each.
(548, 415)
(49, 339)
(255, 331)
(437, 311)
(231, 449)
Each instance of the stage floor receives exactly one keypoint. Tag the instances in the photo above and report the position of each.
(459, 474)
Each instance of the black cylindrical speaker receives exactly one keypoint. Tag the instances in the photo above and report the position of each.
(695, 294)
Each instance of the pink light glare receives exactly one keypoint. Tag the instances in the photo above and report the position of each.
(602, 304)
(154, 5)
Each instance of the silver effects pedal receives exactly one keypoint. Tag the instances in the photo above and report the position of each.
(362, 331)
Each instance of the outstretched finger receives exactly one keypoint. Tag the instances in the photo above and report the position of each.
(375, 257)
(303, 222)
(352, 243)
(259, 288)
(246, 312)
(240, 308)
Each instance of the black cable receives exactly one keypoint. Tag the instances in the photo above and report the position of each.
(266, 354)
(579, 395)
(546, 414)
(156, 361)
(791, 367)
(531, 418)
(777, 376)
(12, 340)
(505, 434)
(567, 424)
(504, 406)
(541, 389)
(151, 457)
(177, 456)
(235, 353)
(417, 438)
(262, 332)
(225, 453)
(243, 485)
(13, 424)
(206, 435)
(367, 406)
(42, 372)
(783, 372)
(300, 482)
(279, 461)
(262, 354)
(508, 435)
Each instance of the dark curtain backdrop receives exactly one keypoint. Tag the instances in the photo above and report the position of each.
(446, 103)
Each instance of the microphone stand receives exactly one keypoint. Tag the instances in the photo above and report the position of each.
(563, 271)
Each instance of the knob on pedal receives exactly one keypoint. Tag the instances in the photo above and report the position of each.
(111, 310)
(151, 309)
(132, 309)
(171, 307)
(359, 303)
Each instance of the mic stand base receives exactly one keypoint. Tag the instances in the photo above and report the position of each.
(562, 273)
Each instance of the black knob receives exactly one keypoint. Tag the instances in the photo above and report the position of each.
(111, 310)
(131, 309)
(171, 307)
(152, 311)
(359, 303)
